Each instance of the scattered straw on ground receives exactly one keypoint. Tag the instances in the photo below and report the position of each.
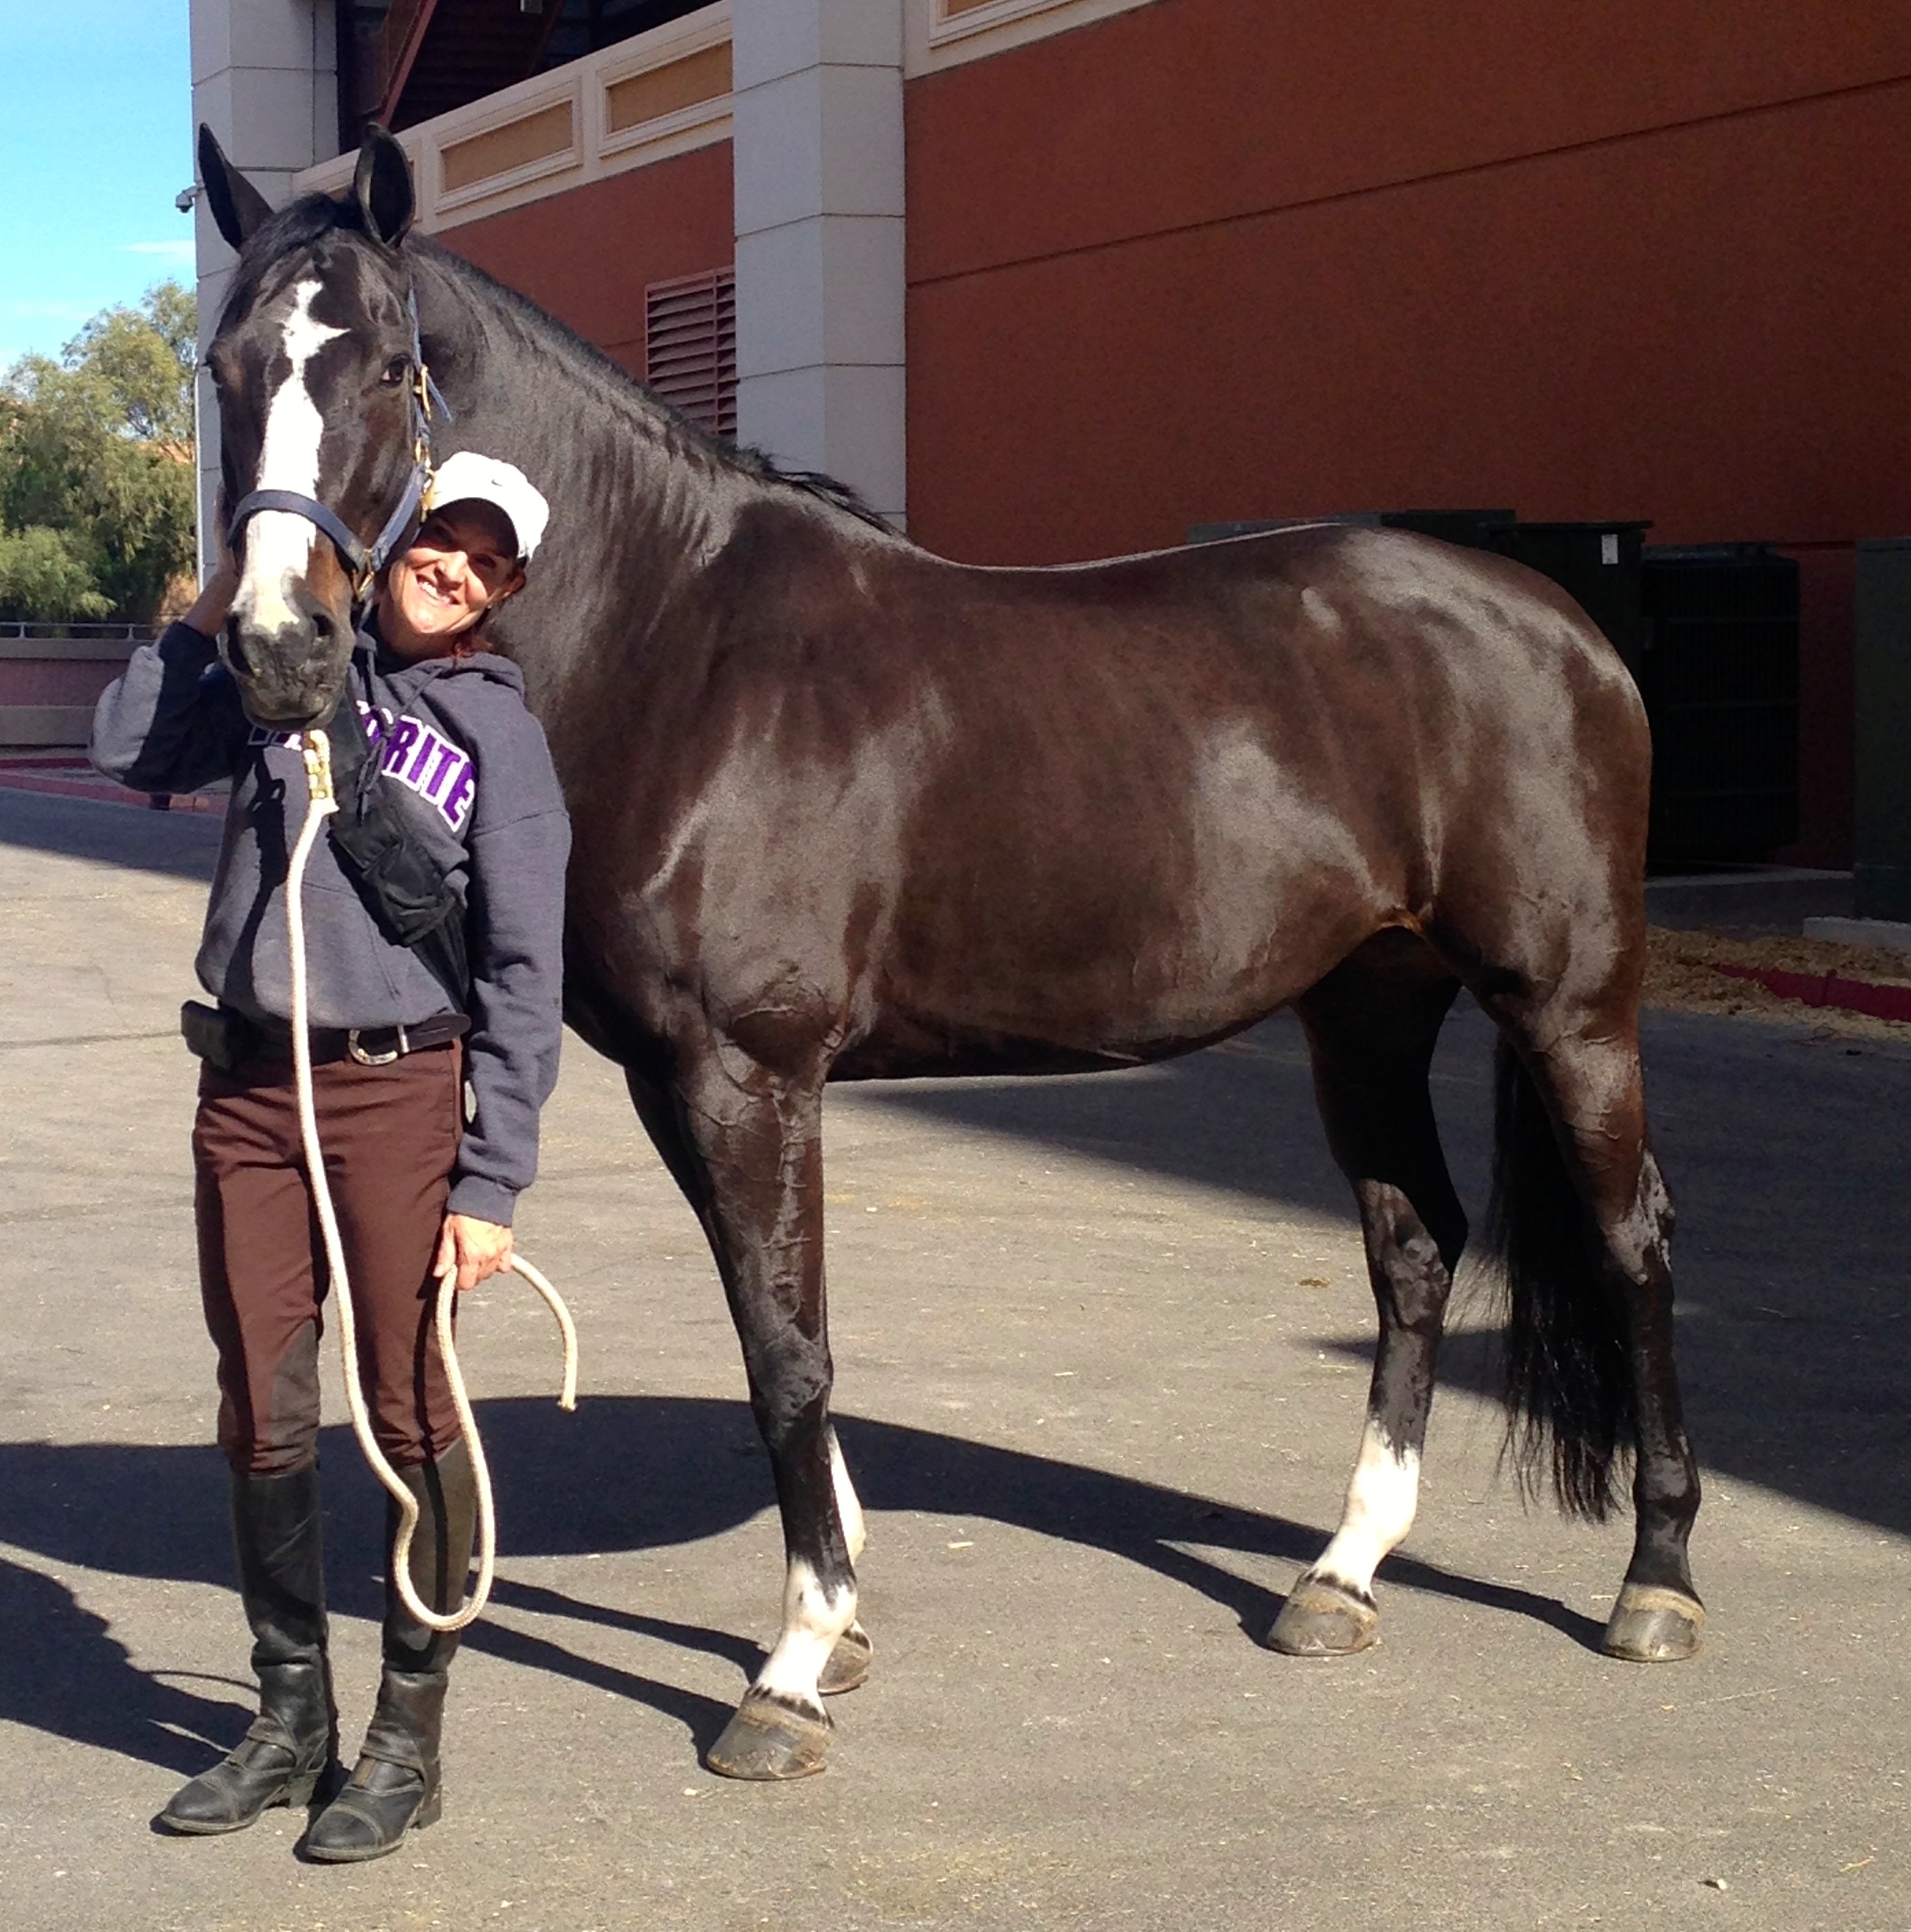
(1682, 974)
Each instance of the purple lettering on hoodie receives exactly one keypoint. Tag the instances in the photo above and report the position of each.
(456, 801)
(403, 734)
(447, 757)
(433, 767)
(428, 742)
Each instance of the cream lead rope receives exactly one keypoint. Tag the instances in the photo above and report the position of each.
(317, 755)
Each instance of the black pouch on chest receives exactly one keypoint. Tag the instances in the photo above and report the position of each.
(409, 894)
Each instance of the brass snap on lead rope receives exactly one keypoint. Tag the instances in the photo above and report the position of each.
(318, 754)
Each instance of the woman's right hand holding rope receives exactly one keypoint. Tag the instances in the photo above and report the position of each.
(471, 1250)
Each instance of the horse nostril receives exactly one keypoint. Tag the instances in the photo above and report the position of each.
(322, 622)
(235, 654)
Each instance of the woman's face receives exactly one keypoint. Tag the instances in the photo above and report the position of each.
(462, 562)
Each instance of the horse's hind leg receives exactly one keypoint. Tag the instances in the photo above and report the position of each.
(746, 1147)
(1373, 1024)
(1584, 1230)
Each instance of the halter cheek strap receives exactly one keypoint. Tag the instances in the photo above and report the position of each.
(365, 560)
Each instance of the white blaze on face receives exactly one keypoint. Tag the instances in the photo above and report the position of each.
(278, 543)
(1381, 1498)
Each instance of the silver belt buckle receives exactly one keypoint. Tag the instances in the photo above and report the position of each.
(375, 1059)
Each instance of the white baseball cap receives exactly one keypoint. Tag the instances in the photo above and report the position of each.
(468, 476)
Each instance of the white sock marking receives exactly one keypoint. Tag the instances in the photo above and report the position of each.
(812, 1621)
(1382, 1496)
(279, 543)
(848, 1508)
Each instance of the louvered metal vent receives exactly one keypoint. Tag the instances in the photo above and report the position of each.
(690, 346)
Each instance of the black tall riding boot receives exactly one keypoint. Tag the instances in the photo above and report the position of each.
(394, 1787)
(295, 1737)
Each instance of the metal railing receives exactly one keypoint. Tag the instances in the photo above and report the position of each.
(105, 634)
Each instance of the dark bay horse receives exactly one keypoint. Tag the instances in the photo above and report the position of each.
(845, 811)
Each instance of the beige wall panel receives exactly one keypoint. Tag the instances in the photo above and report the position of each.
(516, 145)
(662, 90)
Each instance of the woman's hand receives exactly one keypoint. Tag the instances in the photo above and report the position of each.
(214, 602)
(471, 1250)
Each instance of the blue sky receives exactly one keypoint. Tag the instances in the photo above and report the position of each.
(96, 139)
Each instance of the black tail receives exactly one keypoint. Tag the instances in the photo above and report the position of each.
(1569, 1395)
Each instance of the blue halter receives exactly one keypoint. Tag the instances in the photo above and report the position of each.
(365, 562)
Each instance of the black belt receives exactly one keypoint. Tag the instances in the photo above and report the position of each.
(370, 1046)
(227, 1038)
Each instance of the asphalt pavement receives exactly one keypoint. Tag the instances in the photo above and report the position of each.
(1102, 1349)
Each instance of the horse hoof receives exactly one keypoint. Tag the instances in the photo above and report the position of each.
(766, 1739)
(847, 1668)
(1650, 1625)
(1321, 1618)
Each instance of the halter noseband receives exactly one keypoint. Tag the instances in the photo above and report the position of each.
(365, 562)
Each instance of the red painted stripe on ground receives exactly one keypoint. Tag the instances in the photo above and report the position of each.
(104, 791)
(1882, 1001)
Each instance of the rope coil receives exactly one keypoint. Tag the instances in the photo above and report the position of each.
(317, 755)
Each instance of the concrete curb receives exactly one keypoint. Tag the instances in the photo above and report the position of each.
(1774, 899)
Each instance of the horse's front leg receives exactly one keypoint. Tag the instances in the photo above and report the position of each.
(756, 1139)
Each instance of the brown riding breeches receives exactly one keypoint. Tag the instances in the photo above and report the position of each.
(390, 1135)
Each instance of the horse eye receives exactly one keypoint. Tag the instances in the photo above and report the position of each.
(395, 371)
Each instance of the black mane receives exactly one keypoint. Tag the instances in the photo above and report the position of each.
(304, 223)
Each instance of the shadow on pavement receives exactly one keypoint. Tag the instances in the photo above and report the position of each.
(65, 1674)
(1239, 1116)
(565, 1485)
(183, 844)
(1820, 1417)
(1786, 1155)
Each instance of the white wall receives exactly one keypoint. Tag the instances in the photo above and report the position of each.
(817, 120)
(265, 80)
(817, 129)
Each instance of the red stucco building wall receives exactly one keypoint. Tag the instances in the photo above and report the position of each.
(1222, 259)
(588, 254)
(1219, 259)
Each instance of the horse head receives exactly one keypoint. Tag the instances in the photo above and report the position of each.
(322, 407)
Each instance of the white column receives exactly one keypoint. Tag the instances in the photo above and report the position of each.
(265, 80)
(817, 121)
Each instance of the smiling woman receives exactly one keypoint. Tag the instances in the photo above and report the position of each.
(441, 588)
(467, 559)
(434, 1042)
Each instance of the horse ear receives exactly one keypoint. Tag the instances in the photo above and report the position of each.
(238, 208)
(381, 187)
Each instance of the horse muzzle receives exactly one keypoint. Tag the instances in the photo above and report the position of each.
(289, 667)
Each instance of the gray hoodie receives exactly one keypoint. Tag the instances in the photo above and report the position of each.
(467, 764)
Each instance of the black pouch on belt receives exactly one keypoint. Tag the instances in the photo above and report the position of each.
(221, 1039)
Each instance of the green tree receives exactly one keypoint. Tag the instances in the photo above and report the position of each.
(96, 450)
(43, 574)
